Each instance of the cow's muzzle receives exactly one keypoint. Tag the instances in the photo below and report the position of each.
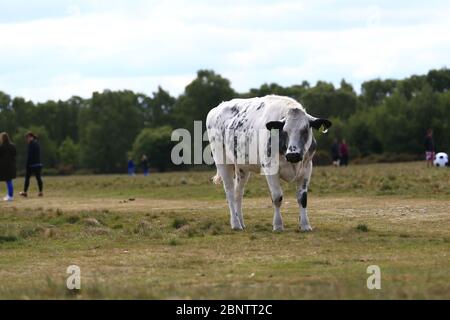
(293, 157)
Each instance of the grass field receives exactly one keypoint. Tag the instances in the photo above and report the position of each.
(168, 236)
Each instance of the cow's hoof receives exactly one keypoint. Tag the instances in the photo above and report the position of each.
(278, 228)
(236, 224)
(305, 228)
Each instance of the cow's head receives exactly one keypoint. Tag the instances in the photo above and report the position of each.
(297, 128)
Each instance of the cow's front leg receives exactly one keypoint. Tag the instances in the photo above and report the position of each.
(227, 174)
(302, 199)
(277, 198)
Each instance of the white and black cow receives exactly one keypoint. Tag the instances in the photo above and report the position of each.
(231, 128)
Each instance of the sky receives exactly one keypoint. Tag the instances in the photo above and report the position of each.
(54, 49)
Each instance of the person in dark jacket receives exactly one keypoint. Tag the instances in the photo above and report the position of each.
(7, 164)
(34, 164)
(335, 153)
(144, 165)
(430, 148)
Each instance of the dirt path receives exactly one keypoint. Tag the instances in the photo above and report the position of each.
(393, 208)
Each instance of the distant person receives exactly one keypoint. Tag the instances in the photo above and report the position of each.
(7, 164)
(343, 150)
(34, 164)
(430, 148)
(131, 167)
(335, 153)
(144, 165)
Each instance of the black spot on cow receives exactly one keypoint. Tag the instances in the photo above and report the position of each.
(304, 199)
(278, 201)
(260, 106)
(234, 110)
(269, 147)
(244, 111)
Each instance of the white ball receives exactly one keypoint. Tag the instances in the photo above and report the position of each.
(441, 160)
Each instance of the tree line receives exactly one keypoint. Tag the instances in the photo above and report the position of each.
(387, 120)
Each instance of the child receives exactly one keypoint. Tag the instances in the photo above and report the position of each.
(131, 167)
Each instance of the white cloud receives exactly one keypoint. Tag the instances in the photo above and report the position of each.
(91, 46)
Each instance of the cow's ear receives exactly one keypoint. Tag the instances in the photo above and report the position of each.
(317, 123)
(275, 125)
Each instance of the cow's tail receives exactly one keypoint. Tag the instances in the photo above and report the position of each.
(217, 179)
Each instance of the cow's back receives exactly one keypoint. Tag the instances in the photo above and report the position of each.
(249, 114)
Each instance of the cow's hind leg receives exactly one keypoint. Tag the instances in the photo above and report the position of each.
(239, 185)
(226, 171)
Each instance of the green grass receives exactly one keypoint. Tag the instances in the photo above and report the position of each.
(400, 179)
(174, 239)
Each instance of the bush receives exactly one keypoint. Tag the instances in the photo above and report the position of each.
(362, 227)
(156, 144)
(68, 156)
(65, 169)
(177, 223)
(387, 158)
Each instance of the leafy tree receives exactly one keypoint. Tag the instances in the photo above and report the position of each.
(107, 128)
(439, 79)
(410, 87)
(157, 109)
(156, 144)
(364, 138)
(59, 118)
(68, 154)
(317, 100)
(201, 95)
(375, 91)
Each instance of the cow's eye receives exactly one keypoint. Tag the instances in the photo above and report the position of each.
(304, 132)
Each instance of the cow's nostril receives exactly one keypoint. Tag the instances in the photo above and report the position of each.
(293, 157)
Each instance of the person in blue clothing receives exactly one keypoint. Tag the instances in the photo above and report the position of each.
(34, 164)
(131, 167)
